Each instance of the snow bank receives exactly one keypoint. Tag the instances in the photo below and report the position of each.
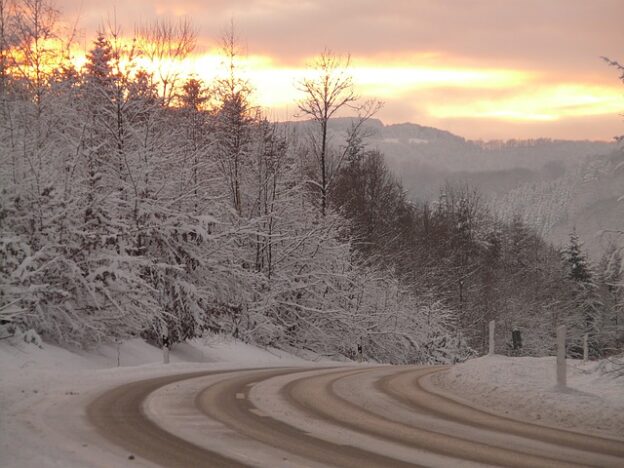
(525, 388)
(16, 355)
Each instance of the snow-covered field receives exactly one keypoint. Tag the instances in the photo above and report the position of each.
(524, 388)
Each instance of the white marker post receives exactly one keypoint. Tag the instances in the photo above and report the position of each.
(118, 343)
(585, 347)
(492, 328)
(166, 354)
(561, 356)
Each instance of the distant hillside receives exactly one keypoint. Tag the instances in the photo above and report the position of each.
(588, 199)
(558, 184)
(426, 158)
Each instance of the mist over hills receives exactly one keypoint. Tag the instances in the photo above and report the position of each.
(426, 158)
(555, 185)
(587, 199)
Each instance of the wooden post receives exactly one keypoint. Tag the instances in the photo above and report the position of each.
(561, 356)
(492, 329)
(585, 347)
(165, 344)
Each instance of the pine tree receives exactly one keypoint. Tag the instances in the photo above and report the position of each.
(234, 121)
(586, 310)
(577, 264)
(99, 58)
(194, 99)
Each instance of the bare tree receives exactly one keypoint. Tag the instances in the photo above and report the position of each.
(37, 44)
(165, 43)
(620, 68)
(326, 93)
(5, 15)
(616, 64)
(7, 12)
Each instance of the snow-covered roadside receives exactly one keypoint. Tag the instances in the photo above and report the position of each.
(524, 388)
(44, 391)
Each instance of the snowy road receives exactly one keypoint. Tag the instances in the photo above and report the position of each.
(365, 416)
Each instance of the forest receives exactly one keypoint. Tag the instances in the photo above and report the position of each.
(138, 202)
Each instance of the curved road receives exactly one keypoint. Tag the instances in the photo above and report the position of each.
(350, 417)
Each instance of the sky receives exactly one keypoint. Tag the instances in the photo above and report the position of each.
(483, 69)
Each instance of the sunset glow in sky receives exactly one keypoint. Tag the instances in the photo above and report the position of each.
(479, 68)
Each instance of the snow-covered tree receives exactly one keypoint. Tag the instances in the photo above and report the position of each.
(611, 271)
(131, 206)
(585, 307)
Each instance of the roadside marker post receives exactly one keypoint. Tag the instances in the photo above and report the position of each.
(165, 347)
(492, 328)
(165, 354)
(585, 347)
(561, 356)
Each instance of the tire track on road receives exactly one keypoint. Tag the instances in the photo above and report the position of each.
(407, 387)
(220, 402)
(118, 416)
(369, 437)
(315, 394)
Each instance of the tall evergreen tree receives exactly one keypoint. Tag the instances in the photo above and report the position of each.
(578, 268)
(585, 307)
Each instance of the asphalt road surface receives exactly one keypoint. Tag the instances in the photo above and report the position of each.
(382, 416)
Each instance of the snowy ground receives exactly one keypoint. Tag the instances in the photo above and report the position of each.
(41, 386)
(524, 388)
